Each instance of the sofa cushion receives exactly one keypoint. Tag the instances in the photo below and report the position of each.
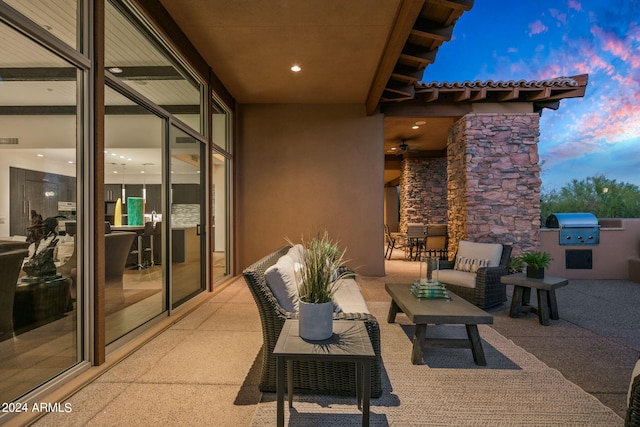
(348, 298)
(457, 277)
(296, 252)
(481, 251)
(283, 282)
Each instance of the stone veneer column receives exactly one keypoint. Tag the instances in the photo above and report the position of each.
(494, 180)
(423, 191)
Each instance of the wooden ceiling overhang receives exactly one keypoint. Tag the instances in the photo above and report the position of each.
(421, 28)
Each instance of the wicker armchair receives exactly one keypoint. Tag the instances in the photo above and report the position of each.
(488, 292)
(338, 378)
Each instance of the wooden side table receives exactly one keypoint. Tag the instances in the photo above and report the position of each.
(350, 342)
(546, 290)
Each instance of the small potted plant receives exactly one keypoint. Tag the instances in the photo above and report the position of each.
(320, 276)
(536, 263)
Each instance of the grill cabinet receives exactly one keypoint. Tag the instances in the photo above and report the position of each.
(578, 228)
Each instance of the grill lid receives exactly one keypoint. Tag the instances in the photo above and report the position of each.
(575, 219)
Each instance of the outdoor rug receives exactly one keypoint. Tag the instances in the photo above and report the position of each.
(514, 389)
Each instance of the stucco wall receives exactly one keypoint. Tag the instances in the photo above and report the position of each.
(610, 257)
(306, 168)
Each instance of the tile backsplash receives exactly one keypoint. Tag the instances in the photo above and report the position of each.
(187, 215)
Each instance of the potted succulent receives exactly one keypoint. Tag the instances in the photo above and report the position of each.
(536, 263)
(320, 275)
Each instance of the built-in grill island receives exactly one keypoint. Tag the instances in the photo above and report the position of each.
(576, 229)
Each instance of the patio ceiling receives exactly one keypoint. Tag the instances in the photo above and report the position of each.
(349, 51)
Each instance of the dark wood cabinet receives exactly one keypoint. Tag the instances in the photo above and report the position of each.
(39, 191)
(154, 198)
(185, 194)
(112, 192)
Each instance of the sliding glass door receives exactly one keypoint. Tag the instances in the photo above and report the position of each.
(186, 163)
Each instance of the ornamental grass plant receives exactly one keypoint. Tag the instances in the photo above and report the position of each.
(320, 272)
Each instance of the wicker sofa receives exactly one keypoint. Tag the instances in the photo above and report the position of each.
(482, 287)
(633, 399)
(336, 378)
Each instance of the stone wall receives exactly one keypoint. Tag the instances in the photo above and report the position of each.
(494, 180)
(423, 191)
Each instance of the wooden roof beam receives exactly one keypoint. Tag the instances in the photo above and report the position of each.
(478, 95)
(406, 74)
(419, 54)
(539, 94)
(431, 96)
(460, 5)
(402, 89)
(408, 12)
(425, 28)
(509, 95)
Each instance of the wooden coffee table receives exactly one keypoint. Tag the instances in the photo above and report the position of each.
(438, 311)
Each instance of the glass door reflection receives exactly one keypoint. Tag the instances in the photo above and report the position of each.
(187, 210)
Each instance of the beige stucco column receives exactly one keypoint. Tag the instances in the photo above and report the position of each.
(494, 180)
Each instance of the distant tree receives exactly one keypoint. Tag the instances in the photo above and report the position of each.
(605, 198)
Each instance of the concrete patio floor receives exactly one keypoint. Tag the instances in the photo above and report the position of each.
(204, 369)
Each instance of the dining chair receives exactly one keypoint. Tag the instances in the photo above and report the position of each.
(415, 239)
(394, 241)
(436, 240)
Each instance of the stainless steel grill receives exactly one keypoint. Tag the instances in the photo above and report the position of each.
(578, 228)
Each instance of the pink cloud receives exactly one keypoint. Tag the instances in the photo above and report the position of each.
(611, 43)
(574, 4)
(537, 27)
(560, 17)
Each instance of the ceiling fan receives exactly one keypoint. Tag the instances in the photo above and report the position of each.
(403, 147)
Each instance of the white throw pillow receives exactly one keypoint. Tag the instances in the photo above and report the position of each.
(282, 280)
(470, 264)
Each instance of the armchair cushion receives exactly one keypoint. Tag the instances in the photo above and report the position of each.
(457, 277)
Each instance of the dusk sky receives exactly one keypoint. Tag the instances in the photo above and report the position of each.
(542, 39)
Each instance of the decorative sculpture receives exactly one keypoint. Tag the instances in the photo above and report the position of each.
(41, 266)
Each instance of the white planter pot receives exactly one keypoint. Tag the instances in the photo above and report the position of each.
(315, 320)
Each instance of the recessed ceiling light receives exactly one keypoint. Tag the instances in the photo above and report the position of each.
(40, 155)
(393, 149)
(70, 162)
(296, 68)
(421, 122)
(115, 171)
(113, 154)
(115, 70)
(415, 127)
